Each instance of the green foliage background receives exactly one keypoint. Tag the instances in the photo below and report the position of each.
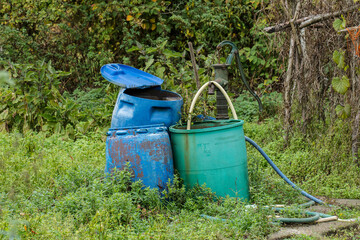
(81, 36)
(52, 48)
(55, 108)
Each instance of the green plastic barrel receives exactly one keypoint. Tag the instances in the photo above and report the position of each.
(214, 153)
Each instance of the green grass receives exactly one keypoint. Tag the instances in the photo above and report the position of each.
(344, 234)
(54, 188)
(320, 163)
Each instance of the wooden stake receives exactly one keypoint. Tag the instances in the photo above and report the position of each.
(193, 62)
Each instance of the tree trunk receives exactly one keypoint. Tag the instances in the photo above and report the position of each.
(355, 102)
(355, 105)
(303, 86)
(355, 137)
(287, 91)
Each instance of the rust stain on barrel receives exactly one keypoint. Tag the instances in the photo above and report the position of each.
(165, 149)
(186, 153)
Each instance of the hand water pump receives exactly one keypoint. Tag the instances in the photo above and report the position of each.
(222, 77)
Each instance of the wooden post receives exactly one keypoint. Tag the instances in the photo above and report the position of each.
(193, 61)
(287, 91)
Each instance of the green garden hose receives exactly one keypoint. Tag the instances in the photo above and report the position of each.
(313, 217)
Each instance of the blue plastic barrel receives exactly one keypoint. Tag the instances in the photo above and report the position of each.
(141, 101)
(137, 107)
(148, 151)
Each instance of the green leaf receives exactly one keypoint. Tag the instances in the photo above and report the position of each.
(339, 110)
(53, 103)
(149, 63)
(139, 45)
(150, 50)
(5, 78)
(199, 49)
(340, 85)
(2, 127)
(50, 68)
(251, 58)
(343, 112)
(4, 114)
(69, 130)
(61, 74)
(163, 44)
(73, 119)
(339, 58)
(168, 53)
(339, 24)
(347, 110)
(160, 72)
(133, 48)
(48, 117)
(201, 71)
(57, 128)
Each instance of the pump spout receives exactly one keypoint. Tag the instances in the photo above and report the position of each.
(221, 77)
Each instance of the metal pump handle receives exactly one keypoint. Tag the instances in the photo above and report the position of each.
(235, 51)
(197, 96)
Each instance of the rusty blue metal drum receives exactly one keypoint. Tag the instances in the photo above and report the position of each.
(148, 151)
(138, 135)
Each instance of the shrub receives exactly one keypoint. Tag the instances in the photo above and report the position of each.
(247, 107)
(80, 37)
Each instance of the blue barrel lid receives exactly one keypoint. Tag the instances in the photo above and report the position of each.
(129, 77)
